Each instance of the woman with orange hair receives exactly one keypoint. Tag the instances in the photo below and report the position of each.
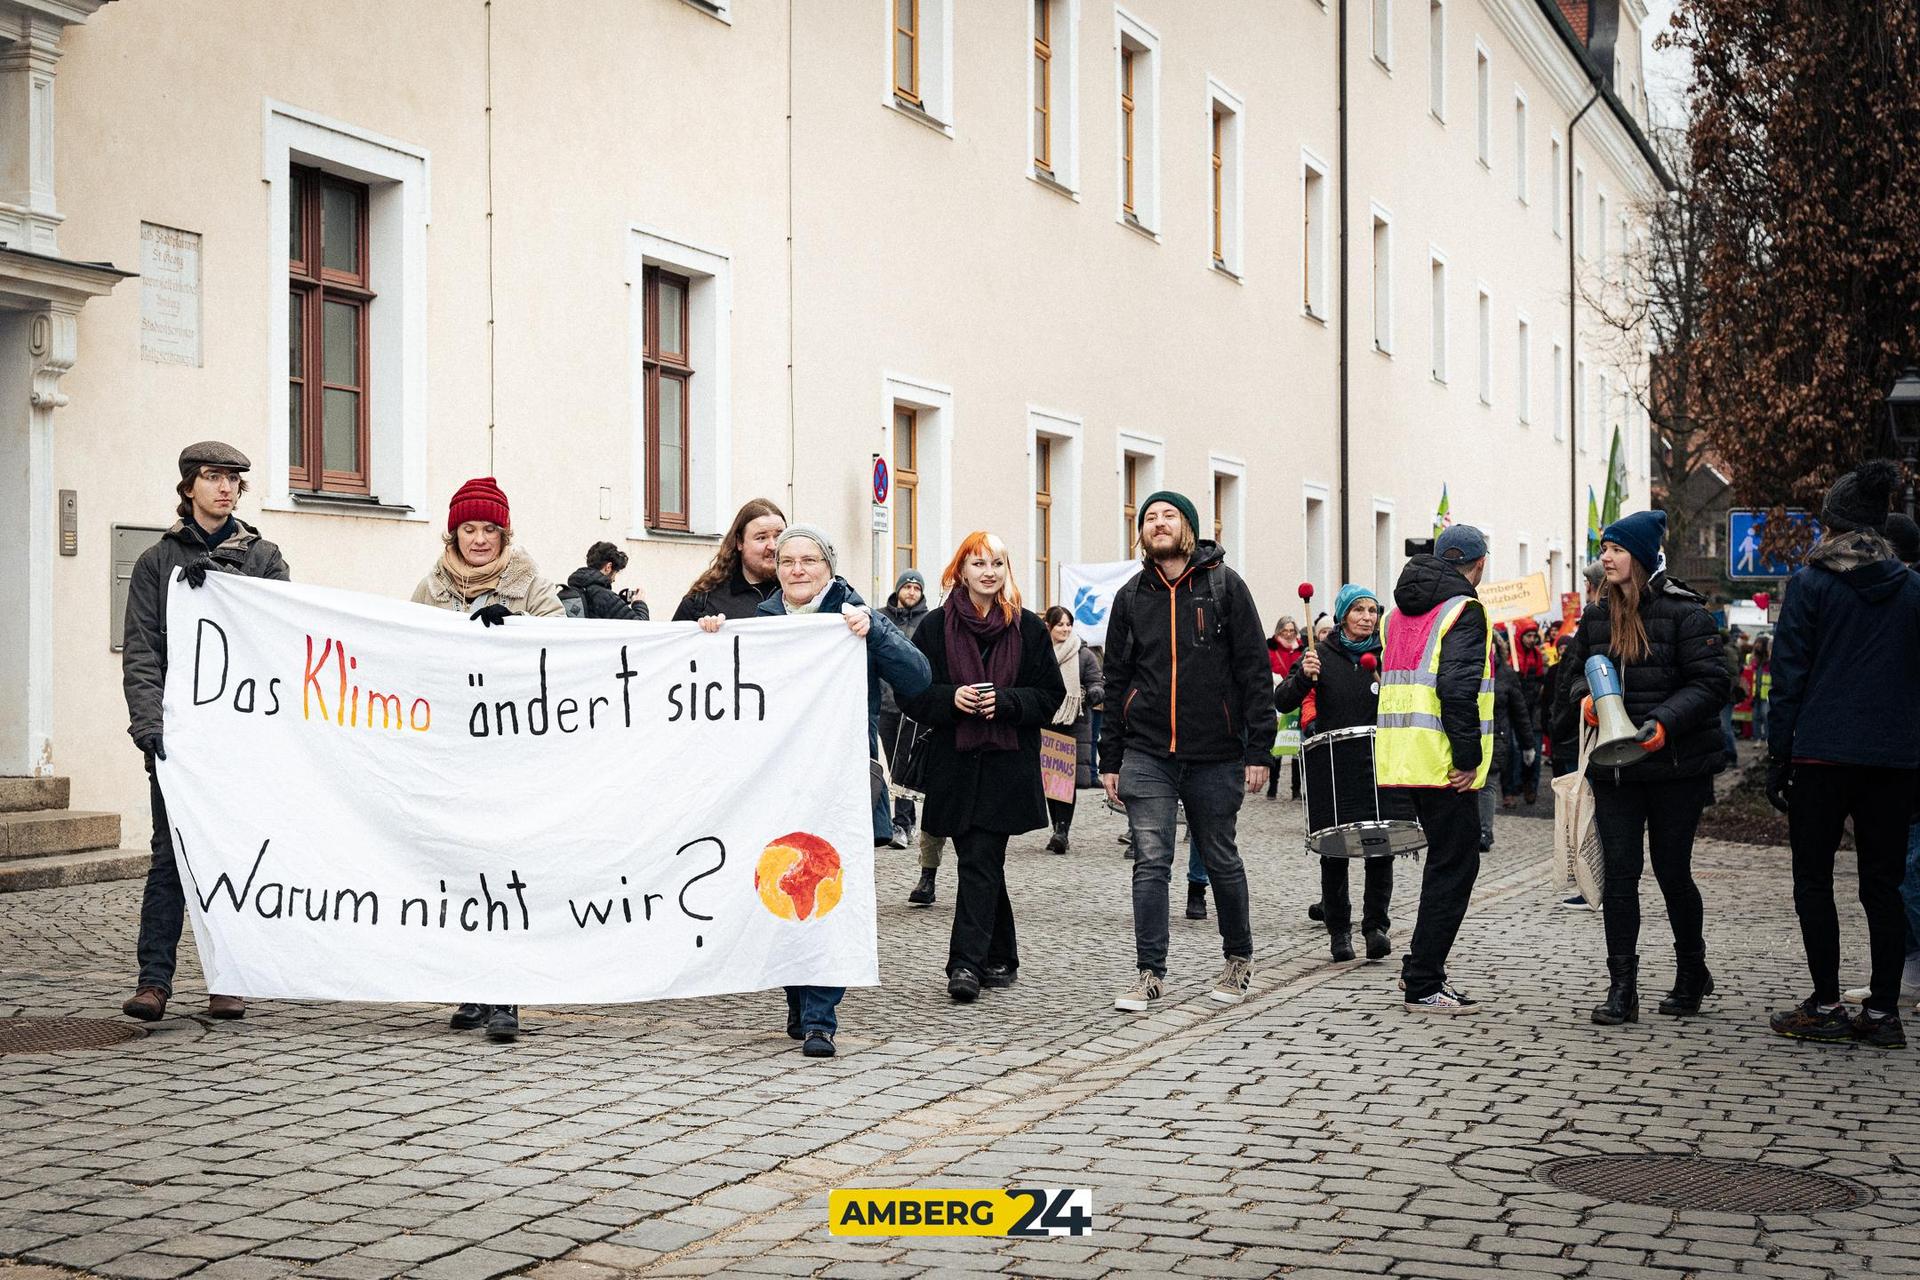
(995, 686)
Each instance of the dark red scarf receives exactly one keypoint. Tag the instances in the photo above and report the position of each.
(967, 634)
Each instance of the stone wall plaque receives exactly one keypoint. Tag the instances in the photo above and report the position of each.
(169, 295)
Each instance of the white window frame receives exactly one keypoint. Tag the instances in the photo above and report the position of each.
(1559, 392)
(1151, 450)
(1600, 221)
(1523, 368)
(1523, 562)
(1380, 228)
(932, 403)
(936, 67)
(1437, 59)
(398, 177)
(1558, 201)
(1232, 240)
(1315, 205)
(1063, 77)
(1483, 103)
(1483, 319)
(1066, 433)
(1145, 41)
(1233, 521)
(709, 443)
(1438, 317)
(1556, 560)
(1522, 189)
(1313, 491)
(1583, 406)
(1579, 210)
(720, 9)
(1387, 554)
(1382, 34)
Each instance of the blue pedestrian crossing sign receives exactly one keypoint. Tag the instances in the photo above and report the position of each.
(1746, 531)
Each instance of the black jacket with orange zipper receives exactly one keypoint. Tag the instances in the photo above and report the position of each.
(1186, 668)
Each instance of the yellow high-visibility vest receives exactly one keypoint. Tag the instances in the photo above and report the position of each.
(1410, 747)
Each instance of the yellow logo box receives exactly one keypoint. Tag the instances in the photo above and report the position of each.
(1033, 1212)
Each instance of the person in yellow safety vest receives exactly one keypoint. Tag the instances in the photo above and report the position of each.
(1435, 740)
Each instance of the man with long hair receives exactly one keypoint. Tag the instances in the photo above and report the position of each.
(742, 574)
(1192, 725)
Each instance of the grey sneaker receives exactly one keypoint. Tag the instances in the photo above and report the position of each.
(1235, 977)
(1444, 1001)
(1140, 997)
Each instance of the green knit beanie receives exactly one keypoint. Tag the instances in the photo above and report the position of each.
(1178, 501)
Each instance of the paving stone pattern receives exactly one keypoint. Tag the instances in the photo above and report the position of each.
(1315, 1130)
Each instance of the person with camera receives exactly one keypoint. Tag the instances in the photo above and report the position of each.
(589, 589)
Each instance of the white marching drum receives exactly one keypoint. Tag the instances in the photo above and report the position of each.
(1348, 815)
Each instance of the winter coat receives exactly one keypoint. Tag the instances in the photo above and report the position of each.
(1846, 659)
(602, 600)
(1682, 682)
(1282, 661)
(1092, 695)
(908, 621)
(996, 791)
(1425, 584)
(891, 661)
(734, 598)
(1346, 695)
(143, 658)
(521, 589)
(1198, 689)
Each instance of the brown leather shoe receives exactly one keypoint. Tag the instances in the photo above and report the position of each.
(227, 1007)
(149, 1004)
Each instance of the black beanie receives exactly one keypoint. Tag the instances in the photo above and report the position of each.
(1862, 498)
(1904, 534)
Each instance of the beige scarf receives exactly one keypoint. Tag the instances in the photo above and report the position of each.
(1067, 654)
(472, 581)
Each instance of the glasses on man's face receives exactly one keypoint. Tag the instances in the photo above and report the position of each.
(808, 563)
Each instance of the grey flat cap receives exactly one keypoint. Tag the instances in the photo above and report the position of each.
(212, 453)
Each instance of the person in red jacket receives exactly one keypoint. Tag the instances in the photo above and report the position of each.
(1284, 651)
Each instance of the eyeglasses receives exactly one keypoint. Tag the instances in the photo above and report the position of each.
(809, 563)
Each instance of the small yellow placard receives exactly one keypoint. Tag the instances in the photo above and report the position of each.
(1024, 1212)
(1516, 598)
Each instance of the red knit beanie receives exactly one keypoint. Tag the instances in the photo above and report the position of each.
(478, 500)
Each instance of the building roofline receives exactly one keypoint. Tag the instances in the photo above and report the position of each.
(1598, 77)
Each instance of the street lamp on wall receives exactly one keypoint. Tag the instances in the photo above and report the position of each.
(1903, 415)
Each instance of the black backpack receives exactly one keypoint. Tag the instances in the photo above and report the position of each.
(574, 602)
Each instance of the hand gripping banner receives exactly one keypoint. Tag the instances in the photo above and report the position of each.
(376, 800)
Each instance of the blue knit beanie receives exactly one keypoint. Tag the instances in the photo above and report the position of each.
(1346, 599)
(1640, 535)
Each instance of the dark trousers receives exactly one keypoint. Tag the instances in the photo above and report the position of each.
(1666, 814)
(1338, 905)
(982, 914)
(1878, 801)
(888, 730)
(815, 1007)
(1061, 812)
(1451, 820)
(163, 908)
(1154, 790)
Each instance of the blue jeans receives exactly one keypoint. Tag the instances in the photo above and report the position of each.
(1196, 866)
(1154, 789)
(1910, 889)
(163, 907)
(1726, 731)
(815, 1007)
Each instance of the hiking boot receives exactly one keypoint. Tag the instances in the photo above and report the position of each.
(226, 1008)
(504, 1022)
(1623, 993)
(148, 1004)
(1317, 911)
(964, 985)
(1140, 997)
(1057, 843)
(922, 894)
(819, 1045)
(1342, 947)
(998, 976)
(1444, 1001)
(1196, 902)
(1882, 1032)
(1691, 984)
(469, 1016)
(1379, 945)
(1808, 1021)
(1236, 976)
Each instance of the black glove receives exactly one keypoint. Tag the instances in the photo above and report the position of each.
(493, 615)
(152, 745)
(1779, 783)
(196, 576)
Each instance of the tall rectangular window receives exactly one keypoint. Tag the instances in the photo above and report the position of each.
(1437, 320)
(1219, 186)
(1385, 554)
(1313, 238)
(906, 489)
(1129, 502)
(1224, 136)
(1558, 177)
(1559, 392)
(1520, 151)
(1383, 32)
(669, 373)
(1128, 155)
(1580, 210)
(1043, 84)
(1043, 518)
(1382, 283)
(1486, 347)
(1483, 104)
(1437, 58)
(1601, 222)
(1523, 369)
(1582, 409)
(328, 305)
(906, 50)
(1137, 111)
(1316, 541)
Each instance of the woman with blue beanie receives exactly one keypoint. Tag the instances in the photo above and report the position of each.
(1669, 656)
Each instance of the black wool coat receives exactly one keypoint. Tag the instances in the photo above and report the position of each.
(995, 791)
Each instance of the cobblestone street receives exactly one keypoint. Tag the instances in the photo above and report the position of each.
(1315, 1130)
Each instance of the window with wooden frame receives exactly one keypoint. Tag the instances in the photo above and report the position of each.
(1219, 507)
(1127, 57)
(1043, 516)
(1129, 502)
(906, 50)
(906, 489)
(669, 374)
(328, 301)
(1043, 84)
(1219, 187)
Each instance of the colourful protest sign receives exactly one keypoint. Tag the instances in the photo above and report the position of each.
(1058, 756)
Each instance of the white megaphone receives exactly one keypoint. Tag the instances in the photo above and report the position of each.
(1619, 740)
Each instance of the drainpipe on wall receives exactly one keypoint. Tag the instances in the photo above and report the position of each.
(1578, 542)
(1346, 516)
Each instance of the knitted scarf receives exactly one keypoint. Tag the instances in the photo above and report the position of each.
(967, 633)
(1067, 654)
(473, 581)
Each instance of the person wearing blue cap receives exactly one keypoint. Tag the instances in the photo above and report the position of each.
(1672, 664)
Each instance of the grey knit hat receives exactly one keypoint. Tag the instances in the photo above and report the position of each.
(815, 534)
(910, 575)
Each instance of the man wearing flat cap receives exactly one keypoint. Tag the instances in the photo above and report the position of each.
(206, 537)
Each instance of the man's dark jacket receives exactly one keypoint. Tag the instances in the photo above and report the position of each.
(734, 598)
(1425, 584)
(602, 600)
(143, 661)
(1187, 676)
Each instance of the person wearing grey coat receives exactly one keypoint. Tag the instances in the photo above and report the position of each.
(1080, 672)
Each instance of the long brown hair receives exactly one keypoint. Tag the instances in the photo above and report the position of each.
(727, 558)
(1627, 634)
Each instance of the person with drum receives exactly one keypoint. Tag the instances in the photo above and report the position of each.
(1343, 674)
(1668, 651)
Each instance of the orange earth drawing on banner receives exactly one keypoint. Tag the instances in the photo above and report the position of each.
(798, 877)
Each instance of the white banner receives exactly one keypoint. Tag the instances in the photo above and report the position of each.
(1088, 590)
(375, 800)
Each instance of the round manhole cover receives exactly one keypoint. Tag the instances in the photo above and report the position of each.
(44, 1035)
(1697, 1182)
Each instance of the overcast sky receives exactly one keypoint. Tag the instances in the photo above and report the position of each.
(1667, 69)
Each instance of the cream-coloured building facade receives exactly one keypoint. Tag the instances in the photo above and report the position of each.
(1068, 246)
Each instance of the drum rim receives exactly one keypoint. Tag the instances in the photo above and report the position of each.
(1352, 731)
(1379, 824)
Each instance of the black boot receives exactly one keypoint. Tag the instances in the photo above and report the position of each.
(1196, 902)
(1342, 947)
(1691, 983)
(922, 895)
(1623, 993)
(1058, 844)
